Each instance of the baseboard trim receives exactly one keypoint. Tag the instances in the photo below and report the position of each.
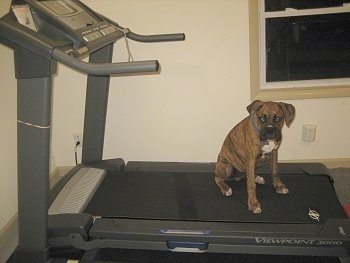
(8, 238)
(58, 173)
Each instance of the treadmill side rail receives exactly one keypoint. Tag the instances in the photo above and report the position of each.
(330, 239)
(78, 192)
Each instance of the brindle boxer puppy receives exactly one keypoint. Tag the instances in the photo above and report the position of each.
(252, 143)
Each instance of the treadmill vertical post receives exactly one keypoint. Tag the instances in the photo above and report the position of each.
(34, 96)
(96, 108)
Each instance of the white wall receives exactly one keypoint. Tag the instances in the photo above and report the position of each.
(177, 115)
(182, 114)
(8, 137)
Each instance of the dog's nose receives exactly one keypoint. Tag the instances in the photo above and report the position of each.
(270, 129)
(270, 133)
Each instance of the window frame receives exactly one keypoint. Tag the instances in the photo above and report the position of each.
(286, 89)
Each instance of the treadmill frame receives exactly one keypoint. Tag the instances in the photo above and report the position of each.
(239, 238)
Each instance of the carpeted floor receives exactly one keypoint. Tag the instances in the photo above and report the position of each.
(341, 177)
(142, 256)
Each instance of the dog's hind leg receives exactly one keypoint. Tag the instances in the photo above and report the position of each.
(223, 171)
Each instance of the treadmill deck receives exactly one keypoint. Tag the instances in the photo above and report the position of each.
(194, 196)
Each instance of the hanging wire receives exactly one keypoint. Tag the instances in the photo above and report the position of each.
(125, 31)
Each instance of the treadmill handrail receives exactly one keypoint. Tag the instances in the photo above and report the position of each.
(147, 38)
(156, 38)
(104, 69)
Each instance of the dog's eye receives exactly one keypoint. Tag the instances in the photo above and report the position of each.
(263, 119)
(277, 119)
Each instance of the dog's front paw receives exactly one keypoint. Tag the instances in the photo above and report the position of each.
(255, 208)
(228, 192)
(282, 190)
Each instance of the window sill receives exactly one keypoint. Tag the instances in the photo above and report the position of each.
(300, 93)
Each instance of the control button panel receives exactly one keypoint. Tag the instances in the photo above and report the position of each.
(98, 32)
(108, 30)
(92, 36)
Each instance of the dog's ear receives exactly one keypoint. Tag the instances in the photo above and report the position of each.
(289, 112)
(256, 104)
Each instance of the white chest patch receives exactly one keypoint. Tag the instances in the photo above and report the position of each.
(269, 147)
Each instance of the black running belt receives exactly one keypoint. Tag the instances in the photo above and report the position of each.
(191, 196)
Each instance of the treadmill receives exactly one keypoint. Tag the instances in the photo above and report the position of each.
(149, 206)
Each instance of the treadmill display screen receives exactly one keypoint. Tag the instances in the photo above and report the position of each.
(71, 14)
(59, 7)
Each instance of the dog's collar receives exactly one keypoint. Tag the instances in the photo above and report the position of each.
(254, 123)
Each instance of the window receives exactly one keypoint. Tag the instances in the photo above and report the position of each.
(300, 48)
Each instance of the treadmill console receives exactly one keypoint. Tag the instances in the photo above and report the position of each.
(69, 20)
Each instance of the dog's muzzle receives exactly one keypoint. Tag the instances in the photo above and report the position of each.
(270, 133)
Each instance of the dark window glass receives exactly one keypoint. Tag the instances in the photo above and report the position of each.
(308, 47)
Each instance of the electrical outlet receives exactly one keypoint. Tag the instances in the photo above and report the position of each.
(78, 137)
